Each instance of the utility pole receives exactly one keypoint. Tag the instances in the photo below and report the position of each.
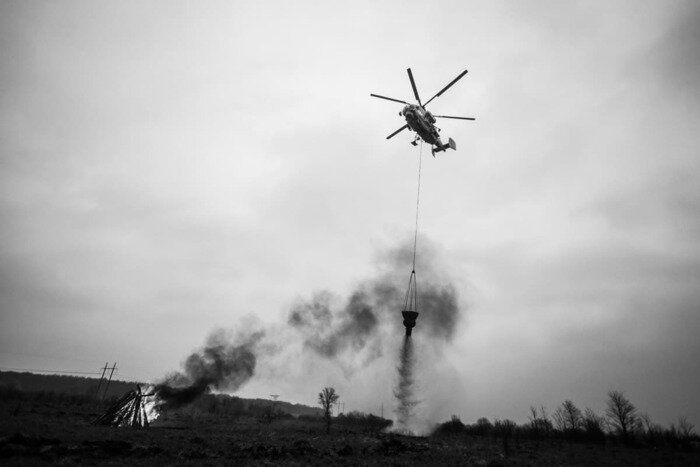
(114, 367)
(97, 393)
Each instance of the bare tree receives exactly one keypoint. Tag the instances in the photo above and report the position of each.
(504, 429)
(652, 432)
(685, 428)
(327, 398)
(593, 426)
(646, 422)
(539, 422)
(568, 417)
(590, 418)
(621, 414)
(483, 426)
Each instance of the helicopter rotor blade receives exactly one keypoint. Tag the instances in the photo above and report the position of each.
(397, 131)
(413, 85)
(447, 87)
(389, 99)
(457, 118)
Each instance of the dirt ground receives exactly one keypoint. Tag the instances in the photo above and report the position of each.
(48, 433)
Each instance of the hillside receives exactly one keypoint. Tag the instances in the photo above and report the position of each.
(82, 386)
(61, 384)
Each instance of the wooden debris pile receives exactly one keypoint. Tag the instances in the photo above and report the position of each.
(133, 410)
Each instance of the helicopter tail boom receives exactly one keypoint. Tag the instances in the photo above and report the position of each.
(444, 147)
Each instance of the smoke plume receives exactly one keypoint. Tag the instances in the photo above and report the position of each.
(352, 332)
(330, 333)
(224, 364)
(340, 332)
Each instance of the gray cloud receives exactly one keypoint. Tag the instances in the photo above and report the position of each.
(677, 55)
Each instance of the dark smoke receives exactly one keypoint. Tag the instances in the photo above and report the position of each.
(438, 300)
(404, 388)
(439, 311)
(353, 332)
(222, 364)
(330, 331)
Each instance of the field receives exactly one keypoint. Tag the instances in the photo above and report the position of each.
(37, 431)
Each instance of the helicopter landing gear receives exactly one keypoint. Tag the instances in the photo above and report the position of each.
(415, 141)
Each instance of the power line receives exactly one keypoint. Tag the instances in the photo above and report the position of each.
(68, 372)
(51, 371)
(92, 361)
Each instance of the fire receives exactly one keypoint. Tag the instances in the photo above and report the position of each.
(151, 404)
(137, 408)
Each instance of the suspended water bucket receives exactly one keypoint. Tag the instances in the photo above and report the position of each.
(409, 320)
(410, 306)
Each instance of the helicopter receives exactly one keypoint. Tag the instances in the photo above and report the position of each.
(422, 121)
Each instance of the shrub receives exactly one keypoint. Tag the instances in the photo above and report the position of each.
(504, 429)
(593, 427)
(482, 427)
(364, 422)
(540, 426)
(651, 433)
(452, 427)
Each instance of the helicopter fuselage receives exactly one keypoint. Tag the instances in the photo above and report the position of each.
(422, 122)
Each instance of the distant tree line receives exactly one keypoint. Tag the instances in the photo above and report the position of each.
(620, 423)
(16, 400)
(62, 384)
(353, 421)
(17, 397)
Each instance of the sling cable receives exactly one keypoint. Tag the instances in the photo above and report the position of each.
(410, 305)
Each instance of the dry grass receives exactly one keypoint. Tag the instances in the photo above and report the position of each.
(40, 432)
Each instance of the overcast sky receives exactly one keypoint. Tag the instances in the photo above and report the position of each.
(168, 168)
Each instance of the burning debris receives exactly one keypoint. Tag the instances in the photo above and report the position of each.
(135, 409)
(225, 363)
